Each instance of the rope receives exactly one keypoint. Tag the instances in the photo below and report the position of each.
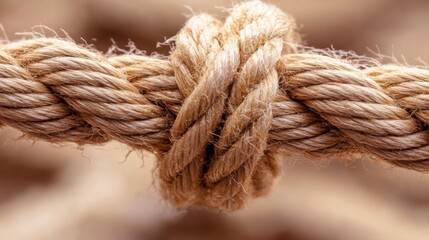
(218, 110)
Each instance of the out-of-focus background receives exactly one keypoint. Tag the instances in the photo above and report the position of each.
(107, 192)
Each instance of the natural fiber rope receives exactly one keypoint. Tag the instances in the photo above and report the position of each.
(216, 112)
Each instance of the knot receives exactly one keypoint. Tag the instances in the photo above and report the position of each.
(231, 96)
(227, 74)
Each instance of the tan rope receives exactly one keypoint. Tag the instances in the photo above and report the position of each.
(217, 111)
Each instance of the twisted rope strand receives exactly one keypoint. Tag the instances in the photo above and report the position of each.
(192, 60)
(243, 138)
(219, 109)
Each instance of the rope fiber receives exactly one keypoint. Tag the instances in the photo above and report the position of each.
(216, 112)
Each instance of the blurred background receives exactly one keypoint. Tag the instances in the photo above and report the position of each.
(108, 192)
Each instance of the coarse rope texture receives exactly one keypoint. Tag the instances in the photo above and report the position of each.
(219, 109)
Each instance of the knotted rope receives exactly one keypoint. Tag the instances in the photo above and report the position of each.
(217, 111)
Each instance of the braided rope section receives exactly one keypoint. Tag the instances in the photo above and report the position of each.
(217, 111)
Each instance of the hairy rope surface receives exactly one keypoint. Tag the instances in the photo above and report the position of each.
(216, 112)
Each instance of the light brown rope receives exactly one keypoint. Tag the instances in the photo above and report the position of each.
(217, 111)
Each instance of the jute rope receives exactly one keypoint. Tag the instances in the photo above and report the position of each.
(217, 111)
